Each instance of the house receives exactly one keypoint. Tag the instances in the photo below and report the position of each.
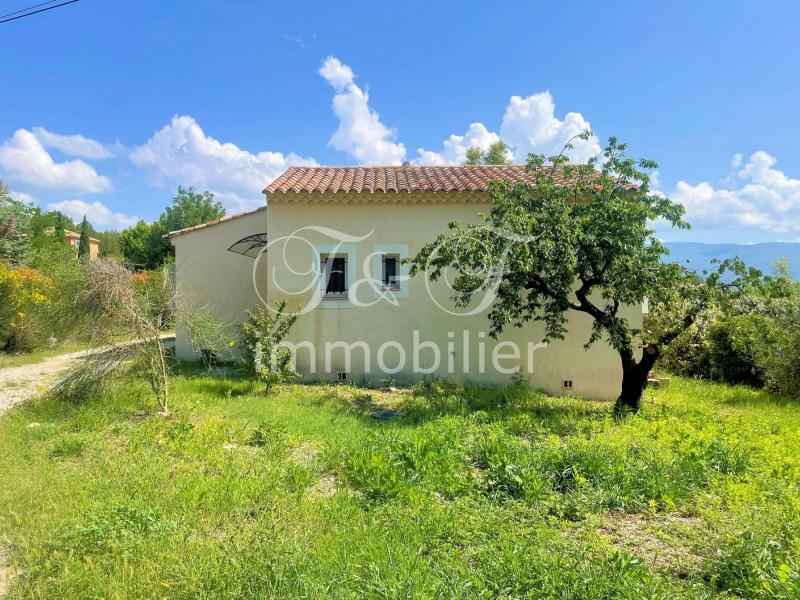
(331, 241)
(73, 240)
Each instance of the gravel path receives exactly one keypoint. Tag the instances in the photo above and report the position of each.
(20, 383)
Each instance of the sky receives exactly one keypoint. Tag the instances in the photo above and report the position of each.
(108, 105)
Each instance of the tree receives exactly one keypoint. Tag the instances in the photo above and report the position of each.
(136, 246)
(83, 243)
(190, 208)
(578, 240)
(143, 245)
(59, 227)
(474, 155)
(15, 217)
(497, 154)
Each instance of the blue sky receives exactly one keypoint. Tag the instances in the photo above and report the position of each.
(224, 95)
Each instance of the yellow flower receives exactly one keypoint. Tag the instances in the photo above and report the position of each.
(231, 344)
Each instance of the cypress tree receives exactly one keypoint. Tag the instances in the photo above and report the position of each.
(83, 244)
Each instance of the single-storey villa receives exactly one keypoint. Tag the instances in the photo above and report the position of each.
(331, 241)
(73, 240)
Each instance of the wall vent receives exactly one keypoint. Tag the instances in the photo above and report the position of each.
(567, 385)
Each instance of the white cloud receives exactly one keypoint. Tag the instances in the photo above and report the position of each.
(361, 133)
(181, 153)
(335, 72)
(98, 214)
(760, 197)
(736, 160)
(23, 159)
(22, 197)
(454, 149)
(530, 125)
(72, 145)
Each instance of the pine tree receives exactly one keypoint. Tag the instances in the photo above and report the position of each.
(83, 244)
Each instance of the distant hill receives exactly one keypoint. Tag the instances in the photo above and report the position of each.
(761, 256)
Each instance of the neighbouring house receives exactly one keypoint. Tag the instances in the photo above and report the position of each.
(73, 240)
(332, 240)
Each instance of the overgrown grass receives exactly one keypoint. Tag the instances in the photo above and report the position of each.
(502, 493)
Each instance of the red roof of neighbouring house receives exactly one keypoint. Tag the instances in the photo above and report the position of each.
(76, 235)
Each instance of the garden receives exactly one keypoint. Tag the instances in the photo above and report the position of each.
(469, 493)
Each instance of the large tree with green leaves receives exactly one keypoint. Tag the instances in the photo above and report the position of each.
(578, 239)
(143, 246)
(496, 154)
(190, 208)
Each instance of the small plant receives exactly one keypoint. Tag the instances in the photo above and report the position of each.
(262, 334)
(67, 448)
(267, 433)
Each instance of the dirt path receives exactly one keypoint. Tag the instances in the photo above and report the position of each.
(21, 383)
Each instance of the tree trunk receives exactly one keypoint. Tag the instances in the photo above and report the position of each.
(634, 379)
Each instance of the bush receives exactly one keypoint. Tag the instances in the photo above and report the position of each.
(733, 346)
(261, 337)
(690, 354)
(25, 295)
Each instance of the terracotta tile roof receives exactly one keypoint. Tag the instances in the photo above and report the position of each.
(172, 234)
(74, 235)
(465, 178)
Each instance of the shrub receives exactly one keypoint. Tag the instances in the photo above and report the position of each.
(25, 295)
(261, 337)
(689, 355)
(733, 346)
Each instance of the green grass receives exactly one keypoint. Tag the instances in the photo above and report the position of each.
(18, 359)
(502, 493)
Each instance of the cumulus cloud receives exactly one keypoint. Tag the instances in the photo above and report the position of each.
(72, 145)
(759, 196)
(454, 149)
(181, 153)
(529, 125)
(24, 160)
(361, 133)
(22, 197)
(98, 214)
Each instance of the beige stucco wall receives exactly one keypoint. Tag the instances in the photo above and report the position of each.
(412, 223)
(208, 275)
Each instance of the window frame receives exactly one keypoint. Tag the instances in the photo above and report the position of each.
(400, 252)
(350, 254)
(327, 265)
(385, 282)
